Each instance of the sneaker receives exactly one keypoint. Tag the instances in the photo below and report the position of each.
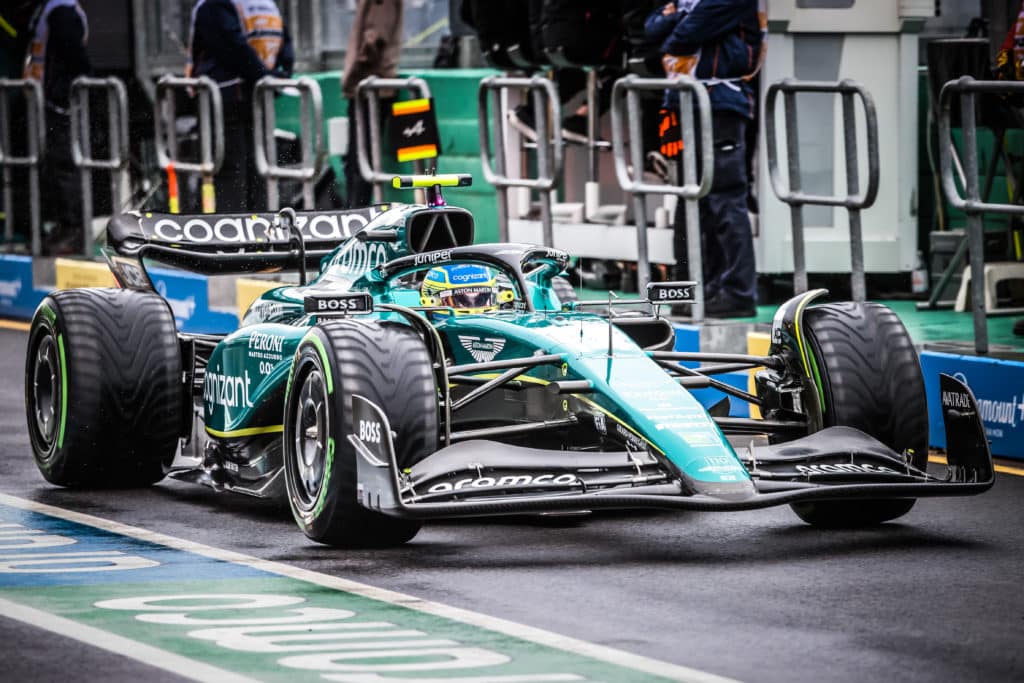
(724, 306)
(521, 118)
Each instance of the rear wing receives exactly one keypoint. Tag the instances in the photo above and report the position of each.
(228, 243)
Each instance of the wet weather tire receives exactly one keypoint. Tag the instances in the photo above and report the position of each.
(103, 387)
(870, 379)
(388, 364)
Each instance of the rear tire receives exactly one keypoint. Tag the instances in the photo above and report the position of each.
(103, 387)
(387, 363)
(871, 380)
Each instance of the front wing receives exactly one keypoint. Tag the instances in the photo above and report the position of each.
(486, 478)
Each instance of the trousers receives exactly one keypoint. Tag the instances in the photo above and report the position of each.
(727, 243)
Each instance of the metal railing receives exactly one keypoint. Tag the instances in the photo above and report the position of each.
(971, 204)
(210, 112)
(854, 201)
(367, 105)
(544, 97)
(311, 136)
(32, 92)
(116, 161)
(626, 109)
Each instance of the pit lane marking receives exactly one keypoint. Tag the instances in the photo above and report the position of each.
(119, 645)
(15, 325)
(1003, 469)
(521, 632)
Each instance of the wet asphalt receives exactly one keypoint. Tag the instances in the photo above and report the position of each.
(756, 596)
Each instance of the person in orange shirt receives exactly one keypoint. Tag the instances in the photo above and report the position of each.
(236, 44)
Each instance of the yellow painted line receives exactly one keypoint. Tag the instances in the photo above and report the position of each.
(438, 25)
(250, 431)
(1004, 469)
(15, 325)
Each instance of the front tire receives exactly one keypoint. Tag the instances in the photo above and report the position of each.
(871, 380)
(387, 363)
(103, 387)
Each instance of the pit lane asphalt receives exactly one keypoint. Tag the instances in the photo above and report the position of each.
(756, 596)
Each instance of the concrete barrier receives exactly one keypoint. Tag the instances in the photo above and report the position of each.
(247, 291)
(688, 339)
(757, 345)
(186, 293)
(19, 297)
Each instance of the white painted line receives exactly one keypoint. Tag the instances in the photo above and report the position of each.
(119, 645)
(509, 628)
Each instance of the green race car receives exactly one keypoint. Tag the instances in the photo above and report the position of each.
(419, 375)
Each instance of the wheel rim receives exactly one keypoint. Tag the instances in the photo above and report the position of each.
(310, 440)
(45, 390)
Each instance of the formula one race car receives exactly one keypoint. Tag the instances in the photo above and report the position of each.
(421, 376)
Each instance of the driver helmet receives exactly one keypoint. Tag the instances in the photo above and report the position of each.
(464, 287)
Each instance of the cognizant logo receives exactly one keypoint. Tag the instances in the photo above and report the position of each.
(228, 391)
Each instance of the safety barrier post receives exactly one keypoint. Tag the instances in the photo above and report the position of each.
(367, 104)
(81, 145)
(626, 106)
(854, 201)
(549, 155)
(311, 122)
(32, 92)
(972, 205)
(211, 130)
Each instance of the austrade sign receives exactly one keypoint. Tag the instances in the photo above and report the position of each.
(267, 625)
(998, 387)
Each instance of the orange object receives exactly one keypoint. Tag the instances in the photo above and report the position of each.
(173, 199)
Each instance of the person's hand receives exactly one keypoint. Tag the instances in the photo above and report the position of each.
(668, 9)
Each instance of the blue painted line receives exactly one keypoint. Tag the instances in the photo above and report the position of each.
(169, 564)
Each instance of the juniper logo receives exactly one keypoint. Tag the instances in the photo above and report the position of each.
(483, 350)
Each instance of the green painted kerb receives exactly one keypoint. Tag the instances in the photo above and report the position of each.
(63, 391)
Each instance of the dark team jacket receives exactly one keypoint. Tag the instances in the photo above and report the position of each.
(66, 58)
(221, 51)
(728, 37)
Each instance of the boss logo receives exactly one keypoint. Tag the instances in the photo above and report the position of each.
(686, 293)
(671, 292)
(369, 431)
(337, 305)
(342, 305)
